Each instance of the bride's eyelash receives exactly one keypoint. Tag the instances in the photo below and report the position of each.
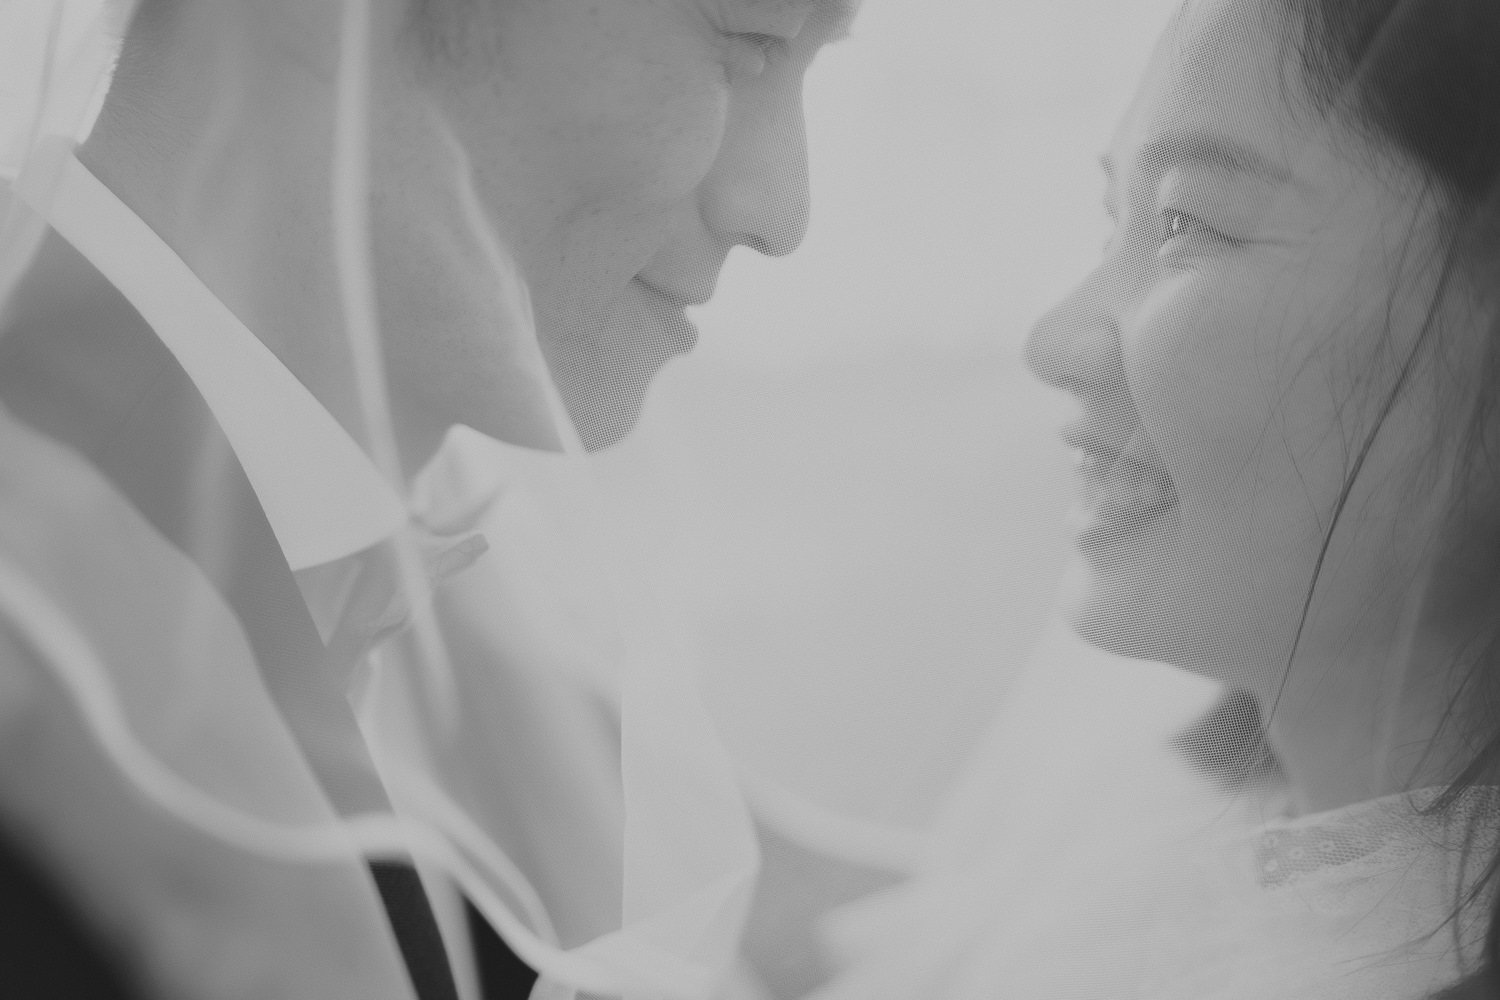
(1175, 223)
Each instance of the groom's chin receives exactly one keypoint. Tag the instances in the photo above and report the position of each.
(606, 411)
(604, 424)
(606, 376)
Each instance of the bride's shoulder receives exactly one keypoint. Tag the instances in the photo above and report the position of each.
(1430, 829)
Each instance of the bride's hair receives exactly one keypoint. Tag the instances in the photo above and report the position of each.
(1420, 79)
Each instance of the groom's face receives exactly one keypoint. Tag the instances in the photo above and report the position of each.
(623, 148)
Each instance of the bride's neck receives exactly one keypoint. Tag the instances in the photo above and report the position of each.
(1365, 708)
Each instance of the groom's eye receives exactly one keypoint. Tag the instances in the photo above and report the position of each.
(771, 46)
(751, 53)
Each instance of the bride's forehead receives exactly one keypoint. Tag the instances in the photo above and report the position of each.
(1218, 64)
(1219, 44)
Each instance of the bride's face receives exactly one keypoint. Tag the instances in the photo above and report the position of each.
(1231, 352)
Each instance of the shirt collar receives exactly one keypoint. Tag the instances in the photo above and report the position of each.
(321, 493)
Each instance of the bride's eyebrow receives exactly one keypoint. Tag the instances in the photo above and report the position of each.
(1217, 152)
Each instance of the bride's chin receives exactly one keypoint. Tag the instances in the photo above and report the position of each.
(1120, 608)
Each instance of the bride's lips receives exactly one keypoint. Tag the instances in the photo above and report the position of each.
(1122, 495)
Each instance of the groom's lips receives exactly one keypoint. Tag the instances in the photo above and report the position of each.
(679, 334)
(1122, 494)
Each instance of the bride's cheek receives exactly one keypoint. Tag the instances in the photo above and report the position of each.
(1169, 358)
(1198, 395)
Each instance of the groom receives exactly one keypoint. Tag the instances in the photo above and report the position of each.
(621, 150)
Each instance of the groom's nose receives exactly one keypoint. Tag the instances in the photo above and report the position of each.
(757, 193)
(1076, 345)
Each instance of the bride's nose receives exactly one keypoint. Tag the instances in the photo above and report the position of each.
(1076, 345)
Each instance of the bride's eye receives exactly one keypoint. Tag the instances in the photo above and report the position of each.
(1180, 225)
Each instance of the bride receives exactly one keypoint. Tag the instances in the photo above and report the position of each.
(1286, 365)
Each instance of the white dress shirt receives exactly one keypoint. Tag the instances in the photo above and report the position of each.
(117, 650)
(323, 496)
(543, 763)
